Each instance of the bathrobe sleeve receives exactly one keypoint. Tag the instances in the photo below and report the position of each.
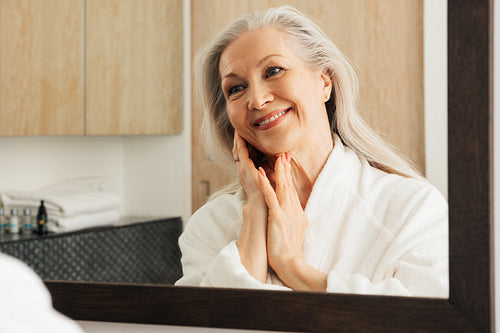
(414, 260)
(25, 302)
(210, 257)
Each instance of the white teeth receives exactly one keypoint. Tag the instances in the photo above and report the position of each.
(273, 118)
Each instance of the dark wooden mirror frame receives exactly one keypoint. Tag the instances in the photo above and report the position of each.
(470, 306)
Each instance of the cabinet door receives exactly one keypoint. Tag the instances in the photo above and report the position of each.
(41, 67)
(383, 40)
(134, 67)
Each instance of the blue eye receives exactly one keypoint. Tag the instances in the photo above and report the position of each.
(273, 71)
(234, 90)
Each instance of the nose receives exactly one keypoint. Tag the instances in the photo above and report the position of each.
(259, 96)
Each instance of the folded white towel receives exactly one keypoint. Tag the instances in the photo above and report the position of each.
(61, 224)
(65, 200)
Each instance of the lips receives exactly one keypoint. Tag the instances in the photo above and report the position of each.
(270, 119)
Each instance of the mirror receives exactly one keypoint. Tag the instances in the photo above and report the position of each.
(469, 307)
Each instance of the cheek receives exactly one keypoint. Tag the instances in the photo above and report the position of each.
(303, 92)
(309, 100)
(236, 118)
(231, 114)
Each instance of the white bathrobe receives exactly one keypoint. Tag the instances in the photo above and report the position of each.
(25, 302)
(371, 232)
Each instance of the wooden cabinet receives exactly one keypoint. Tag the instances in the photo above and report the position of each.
(134, 55)
(113, 67)
(382, 39)
(41, 67)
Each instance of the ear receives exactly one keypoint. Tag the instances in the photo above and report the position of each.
(327, 86)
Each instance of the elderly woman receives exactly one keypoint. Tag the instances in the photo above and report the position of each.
(321, 203)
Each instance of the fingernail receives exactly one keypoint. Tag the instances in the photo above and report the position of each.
(288, 157)
(262, 172)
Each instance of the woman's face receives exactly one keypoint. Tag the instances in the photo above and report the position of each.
(274, 99)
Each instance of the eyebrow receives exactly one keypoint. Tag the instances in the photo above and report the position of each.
(257, 65)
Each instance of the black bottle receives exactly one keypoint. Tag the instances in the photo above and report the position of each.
(41, 220)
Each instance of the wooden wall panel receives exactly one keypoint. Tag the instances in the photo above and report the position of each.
(134, 67)
(382, 38)
(41, 67)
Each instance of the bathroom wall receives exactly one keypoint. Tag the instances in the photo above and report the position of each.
(156, 178)
(148, 173)
(31, 163)
(436, 93)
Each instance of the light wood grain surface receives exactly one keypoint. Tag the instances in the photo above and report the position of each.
(41, 67)
(382, 38)
(134, 67)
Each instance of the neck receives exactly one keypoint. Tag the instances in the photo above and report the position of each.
(307, 164)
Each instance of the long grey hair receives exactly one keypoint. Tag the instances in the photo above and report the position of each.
(313, 46)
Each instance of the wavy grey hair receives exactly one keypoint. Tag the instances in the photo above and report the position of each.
(314, 47)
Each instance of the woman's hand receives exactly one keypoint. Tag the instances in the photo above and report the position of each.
(252, 239)
(287, 221)
(286, 227)
(248, 175)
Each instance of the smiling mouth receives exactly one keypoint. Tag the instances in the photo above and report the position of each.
(273, 118)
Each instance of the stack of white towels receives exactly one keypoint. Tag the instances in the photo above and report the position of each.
(70, 205)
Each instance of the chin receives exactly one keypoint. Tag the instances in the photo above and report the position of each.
(274, 151)
(275, 147)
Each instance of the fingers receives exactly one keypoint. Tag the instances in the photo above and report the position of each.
(285, 189)
(293, 195)
(268, 192)
(279, 174)
(288, 171)
(235, 149)
(240, 150)
(269, 174)
(247, 173)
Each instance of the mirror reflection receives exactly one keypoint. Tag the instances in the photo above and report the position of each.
(381, 41)
(320, 202)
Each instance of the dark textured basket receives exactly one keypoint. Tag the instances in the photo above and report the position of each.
(146, 252)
